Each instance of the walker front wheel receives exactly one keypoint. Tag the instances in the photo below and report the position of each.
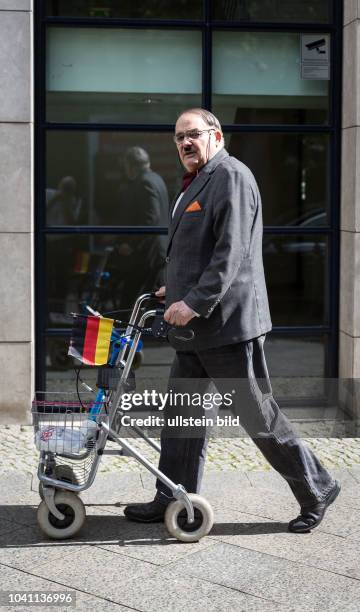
(73, 509)
(177, 524)
(62, 472)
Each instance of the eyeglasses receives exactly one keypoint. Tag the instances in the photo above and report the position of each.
(190, 134)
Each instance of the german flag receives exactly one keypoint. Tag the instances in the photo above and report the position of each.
(90, 339)
(82, 259)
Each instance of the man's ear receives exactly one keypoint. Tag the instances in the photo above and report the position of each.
(218, 136)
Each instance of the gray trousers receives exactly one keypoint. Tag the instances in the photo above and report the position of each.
(183, 450)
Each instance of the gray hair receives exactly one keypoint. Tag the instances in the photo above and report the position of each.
(137, 157)
(205, 115)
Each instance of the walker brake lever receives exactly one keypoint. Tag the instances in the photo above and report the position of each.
(159, 326)
(186, 334)
(161, 329)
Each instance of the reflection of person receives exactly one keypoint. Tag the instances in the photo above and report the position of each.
(64, 204)
(215, 280)
(63, 208)
(143, 201)
(148, 202)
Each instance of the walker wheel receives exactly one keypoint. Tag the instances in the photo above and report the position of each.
(68, 504)
(64, 473)
(177, 524)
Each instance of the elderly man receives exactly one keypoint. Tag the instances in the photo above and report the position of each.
(215, 285)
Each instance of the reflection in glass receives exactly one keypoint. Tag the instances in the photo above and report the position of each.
(63, 204)
(298, 368)
(292, 171)
(296, 270)
(121, 75)
(58, 361)
(121, 178)
(290, 356)
(157, 356)
(296, 365)
(143, 196)
(141, 9)
(107, 272)
(273, 10)
(257, 79)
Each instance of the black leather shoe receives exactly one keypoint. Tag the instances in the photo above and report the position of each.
(311, 516)
(151, 512)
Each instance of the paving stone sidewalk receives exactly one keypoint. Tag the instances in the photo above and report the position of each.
(249, 562)
(17, 452)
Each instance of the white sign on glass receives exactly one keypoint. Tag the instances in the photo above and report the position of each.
(315, 56)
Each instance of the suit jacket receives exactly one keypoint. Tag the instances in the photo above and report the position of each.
(145, 201)
(214, 256)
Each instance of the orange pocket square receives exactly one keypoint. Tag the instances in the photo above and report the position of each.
(193, 207)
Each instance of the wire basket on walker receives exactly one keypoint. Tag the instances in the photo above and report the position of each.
(71, 430)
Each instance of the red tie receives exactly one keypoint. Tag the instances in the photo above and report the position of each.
(187, 178)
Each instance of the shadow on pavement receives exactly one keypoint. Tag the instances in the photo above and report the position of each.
(109, 528)
(248, 528)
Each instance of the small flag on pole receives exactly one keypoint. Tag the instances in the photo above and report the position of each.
(90, 339)
(82, 259)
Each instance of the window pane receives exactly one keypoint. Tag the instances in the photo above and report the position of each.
(297, 367)
(141, 9)
(104, 178)
(290, 356)
(257, 79)
(107, 272)
(293, 174)
(296, 270)
(122, 75)
(273, 10)
(298, 370)
(60, 374)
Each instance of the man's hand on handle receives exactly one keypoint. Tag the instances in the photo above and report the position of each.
(178, 313)
(160, 294)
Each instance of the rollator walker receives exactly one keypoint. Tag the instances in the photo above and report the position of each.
(72, 437)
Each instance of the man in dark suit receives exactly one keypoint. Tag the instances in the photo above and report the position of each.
(215, 285)
(143, 200)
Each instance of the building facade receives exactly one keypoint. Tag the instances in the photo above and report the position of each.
(90, 83)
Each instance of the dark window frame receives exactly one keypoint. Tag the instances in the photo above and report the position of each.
(206, 26)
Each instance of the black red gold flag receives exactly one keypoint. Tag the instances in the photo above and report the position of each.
(90, 339)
